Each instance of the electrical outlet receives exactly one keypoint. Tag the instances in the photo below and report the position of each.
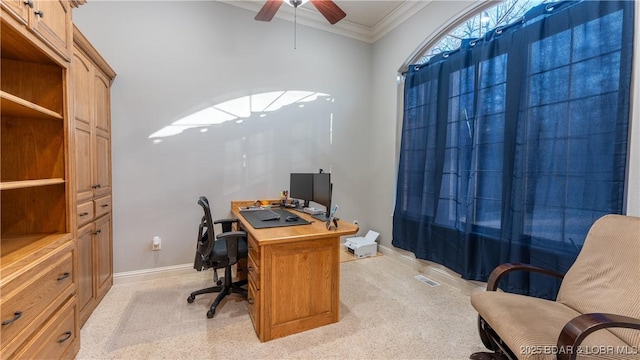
(156, 244)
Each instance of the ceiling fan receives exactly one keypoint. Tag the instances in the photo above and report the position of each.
(327, 8)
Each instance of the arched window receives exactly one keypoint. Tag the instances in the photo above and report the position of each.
(478, 24)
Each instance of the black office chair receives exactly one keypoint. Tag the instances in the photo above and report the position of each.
(217, 252)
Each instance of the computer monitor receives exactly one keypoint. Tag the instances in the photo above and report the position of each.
(322, 190)
(301, 187)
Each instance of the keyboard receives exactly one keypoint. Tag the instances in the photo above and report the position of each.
(267, 215)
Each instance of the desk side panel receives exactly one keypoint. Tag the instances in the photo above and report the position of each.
(302, 284)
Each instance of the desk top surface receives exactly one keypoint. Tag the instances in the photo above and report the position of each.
(315, 230)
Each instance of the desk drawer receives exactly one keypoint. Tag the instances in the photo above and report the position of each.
(55, 337)
(254, 250)
(103, 205)
(85, 213)
(254, 271)
(253, 304)
(27, 296)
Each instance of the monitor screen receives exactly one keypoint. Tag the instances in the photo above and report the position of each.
(322, 189)
(301, 187)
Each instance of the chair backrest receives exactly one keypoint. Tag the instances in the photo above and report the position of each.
(605, 277)
(206, 237)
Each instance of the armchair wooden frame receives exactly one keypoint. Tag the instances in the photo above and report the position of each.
(573, 333)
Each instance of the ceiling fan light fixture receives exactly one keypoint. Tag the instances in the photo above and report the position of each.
(295, 3)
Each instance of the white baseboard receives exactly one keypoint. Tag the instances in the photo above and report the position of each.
(434, 271)
(431, 270)
(128, 277)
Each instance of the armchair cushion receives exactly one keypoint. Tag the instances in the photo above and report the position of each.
(605, 277)
(533, 324)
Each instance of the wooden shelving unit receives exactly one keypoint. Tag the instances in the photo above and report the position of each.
(37, 235)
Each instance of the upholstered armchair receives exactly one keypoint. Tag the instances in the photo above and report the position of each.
(596, 314)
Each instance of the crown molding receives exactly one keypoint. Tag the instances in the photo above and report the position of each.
(308, 16)
(396, 17)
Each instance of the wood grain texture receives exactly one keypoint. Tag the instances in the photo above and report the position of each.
(294, 275)
(86, 293)
(34, 210)
(40, 84)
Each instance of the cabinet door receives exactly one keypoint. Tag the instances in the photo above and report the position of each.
(18, 8)
(85, 271)
(103, 256)
(51, 19)
(102, 125)
(81, 72)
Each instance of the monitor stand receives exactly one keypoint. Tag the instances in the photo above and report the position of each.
(321, 217)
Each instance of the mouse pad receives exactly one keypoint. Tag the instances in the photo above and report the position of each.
(254, 219)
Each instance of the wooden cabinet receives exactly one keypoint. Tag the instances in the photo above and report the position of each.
(91, 79)
(95, 265)
(37, 244)
(49, 20)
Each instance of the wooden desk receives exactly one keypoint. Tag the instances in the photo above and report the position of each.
(294, 275)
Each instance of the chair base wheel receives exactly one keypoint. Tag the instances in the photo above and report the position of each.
(190, 299)
(210, 314)
(487, 356)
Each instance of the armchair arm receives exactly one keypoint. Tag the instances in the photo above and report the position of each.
(226, 223)
(502, 270)
(579, 327)
(232, 238)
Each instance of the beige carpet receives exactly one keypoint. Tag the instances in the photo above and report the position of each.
(385, 314)
(159, 314)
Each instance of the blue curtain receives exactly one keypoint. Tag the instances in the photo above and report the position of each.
(514, 144)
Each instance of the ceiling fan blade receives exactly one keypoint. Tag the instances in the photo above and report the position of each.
(329, 9)
(268, 10)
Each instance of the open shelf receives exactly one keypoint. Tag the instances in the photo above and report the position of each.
(19, 248)
(14, 106)
(9, 185)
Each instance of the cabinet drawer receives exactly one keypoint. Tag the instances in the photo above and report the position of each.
(55, 337)
(253, 299)
(53, 24)
(85, 213)
(254, 250)
(26, 298)
(103, 205)
(18, 9)
(254, 271)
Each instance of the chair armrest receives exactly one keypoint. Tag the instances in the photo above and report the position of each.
(226, 223)
(232, 238)
(502, 270)
(579, 327)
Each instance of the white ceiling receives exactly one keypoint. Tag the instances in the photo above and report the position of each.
(366, 20)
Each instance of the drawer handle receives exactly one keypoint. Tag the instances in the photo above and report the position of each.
(97, 232)
(250, 301)
(104, 205)
(97, 186)
(29, 3)
(84, 214)
(65, 337)
(16, 316)
(39, 13)
(63, 276)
